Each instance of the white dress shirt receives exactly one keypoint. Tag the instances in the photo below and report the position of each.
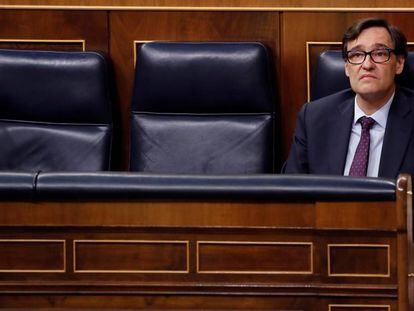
(376, 137)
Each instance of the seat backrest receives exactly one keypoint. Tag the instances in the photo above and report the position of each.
(329, 74)
(202, 108)
(55, 111)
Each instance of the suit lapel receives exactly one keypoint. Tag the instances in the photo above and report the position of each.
(397, 136)
(339, 138)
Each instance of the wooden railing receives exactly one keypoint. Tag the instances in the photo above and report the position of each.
(293, 252)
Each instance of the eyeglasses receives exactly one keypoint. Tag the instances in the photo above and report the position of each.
(378, 56)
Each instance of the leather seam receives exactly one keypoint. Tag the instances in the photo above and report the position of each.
(34, 186)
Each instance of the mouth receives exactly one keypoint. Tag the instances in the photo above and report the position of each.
(367, 76)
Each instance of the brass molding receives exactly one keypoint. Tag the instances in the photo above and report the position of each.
(204, 8)
(253, 243)
(358, 306)
(387, 275)
(63, 270)
(187, 270)
(135, 43)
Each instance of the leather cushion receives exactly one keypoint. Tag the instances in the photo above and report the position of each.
(201, 143)
(54, 86)
(45, 146)
(203, 77)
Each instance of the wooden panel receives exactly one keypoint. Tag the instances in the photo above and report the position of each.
(114, 257)
(193, 214)
(150, 301)
(352, 215)
(127, 27)
(45, 45)
(357, 260)
(90, 26)
(130, 256)
(255, 257)
(32, 256)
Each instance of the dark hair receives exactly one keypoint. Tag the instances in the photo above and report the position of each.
(398, 38)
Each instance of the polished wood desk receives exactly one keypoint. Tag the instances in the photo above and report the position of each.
(212, 254)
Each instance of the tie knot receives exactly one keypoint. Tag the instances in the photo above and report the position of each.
(366, 122)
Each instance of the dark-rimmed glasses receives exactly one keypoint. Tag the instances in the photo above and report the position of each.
(378, 56)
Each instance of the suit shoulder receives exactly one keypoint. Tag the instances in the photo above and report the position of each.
(406, 92)
(330, 102)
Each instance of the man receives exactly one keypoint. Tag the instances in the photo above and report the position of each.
(366, 131)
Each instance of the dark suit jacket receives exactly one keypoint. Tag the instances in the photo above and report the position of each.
(323, 129)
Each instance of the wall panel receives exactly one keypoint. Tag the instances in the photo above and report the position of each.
(53, 29)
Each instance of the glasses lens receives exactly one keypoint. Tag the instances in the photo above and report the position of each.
(356, 57)
(380, 56)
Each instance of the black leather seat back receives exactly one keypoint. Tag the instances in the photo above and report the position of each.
(329, 74)
(202, 108)
(55, 111)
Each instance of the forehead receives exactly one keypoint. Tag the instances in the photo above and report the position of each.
(371, 38)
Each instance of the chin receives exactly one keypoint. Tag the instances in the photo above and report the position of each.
(368, 91)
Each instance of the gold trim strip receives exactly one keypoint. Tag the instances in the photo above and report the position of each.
(252, 243)
(206, 8)
(63, 270)
(82, 41)
(387, 246)
(358, 306)
(187, 243)
(135, 42)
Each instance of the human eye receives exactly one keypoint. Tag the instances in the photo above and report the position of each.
(356, 55)
(380, 53)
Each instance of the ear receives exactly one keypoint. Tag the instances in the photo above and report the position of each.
(346, 69)
(400, 64)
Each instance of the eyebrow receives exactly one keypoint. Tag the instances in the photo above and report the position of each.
(376, 46)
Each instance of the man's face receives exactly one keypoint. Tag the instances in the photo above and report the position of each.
(370, 80)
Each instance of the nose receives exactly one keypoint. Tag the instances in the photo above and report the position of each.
(368, 62)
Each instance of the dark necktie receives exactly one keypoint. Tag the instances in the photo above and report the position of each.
(360, 162)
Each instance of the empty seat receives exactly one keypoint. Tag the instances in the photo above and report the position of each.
(55, 111)
(202, 108)
(329, 74)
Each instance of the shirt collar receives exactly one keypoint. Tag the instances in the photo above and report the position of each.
(380, 116)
